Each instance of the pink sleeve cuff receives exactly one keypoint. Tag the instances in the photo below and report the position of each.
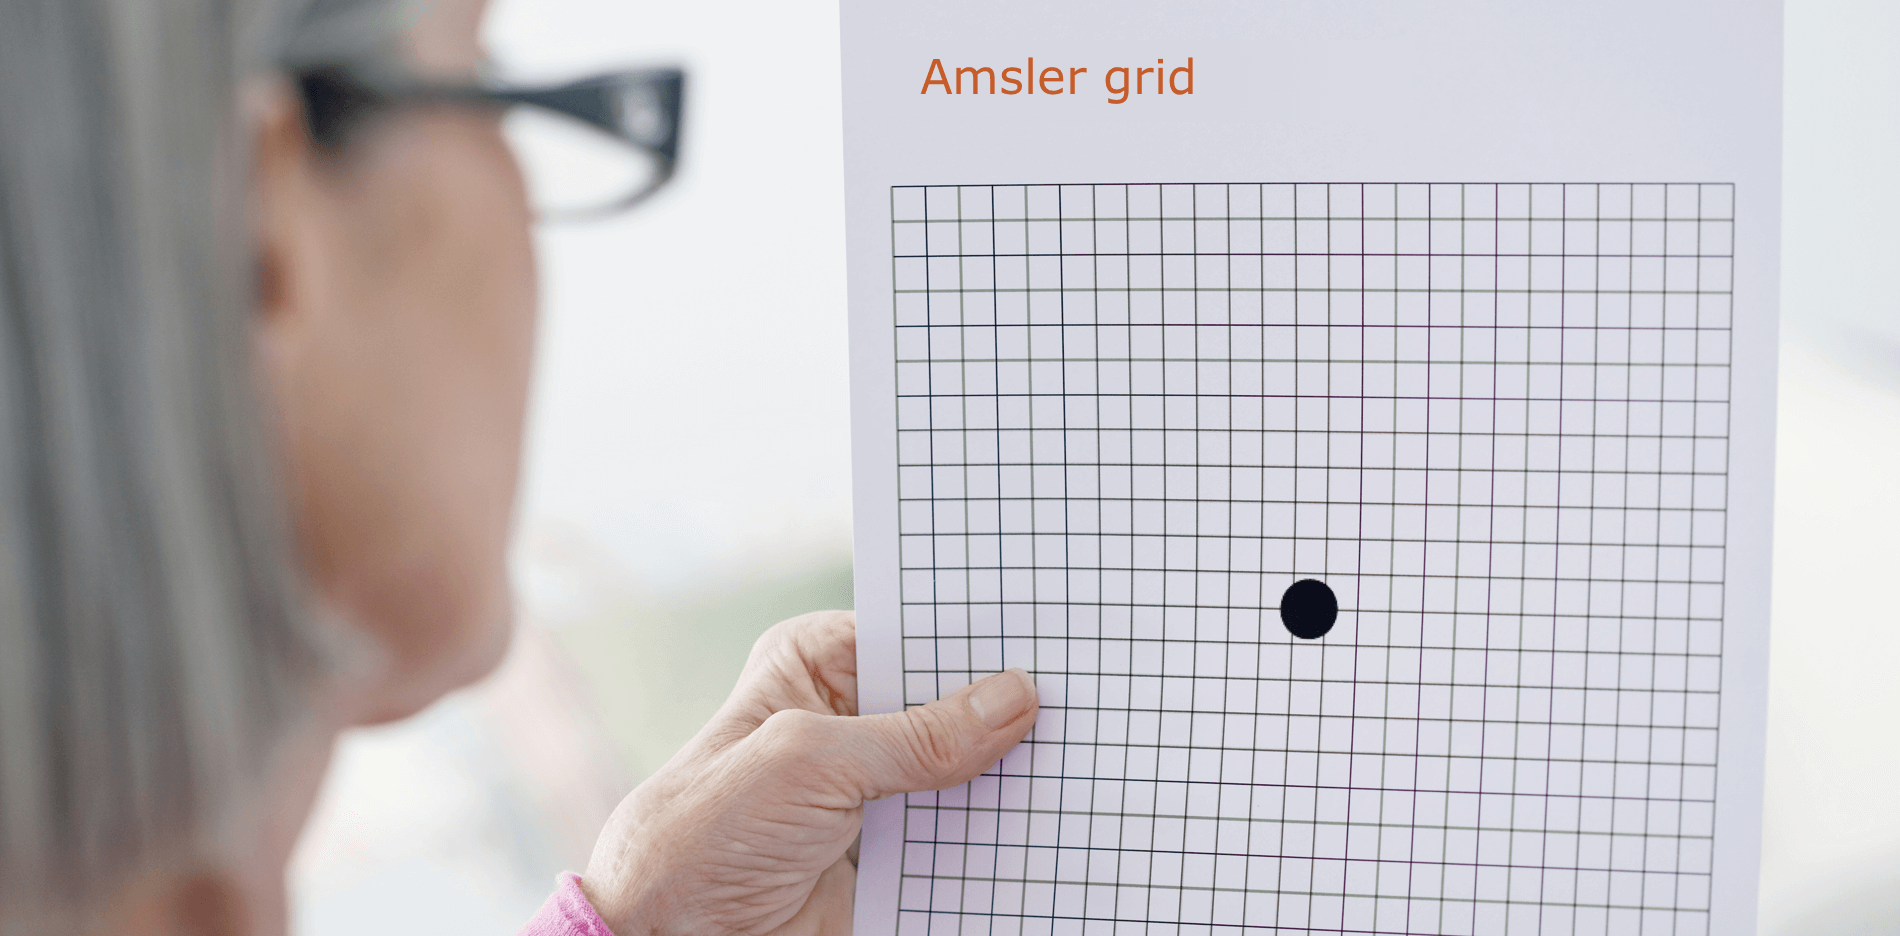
(567, 913)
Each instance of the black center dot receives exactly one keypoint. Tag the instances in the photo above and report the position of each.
(1308, 609)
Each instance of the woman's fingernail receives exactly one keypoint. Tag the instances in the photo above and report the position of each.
(1002, 698)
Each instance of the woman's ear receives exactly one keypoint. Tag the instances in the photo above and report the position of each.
(281, 164)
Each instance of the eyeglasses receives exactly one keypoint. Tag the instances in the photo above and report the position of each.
(586, 149)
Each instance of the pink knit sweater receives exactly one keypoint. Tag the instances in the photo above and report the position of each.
(567, 913)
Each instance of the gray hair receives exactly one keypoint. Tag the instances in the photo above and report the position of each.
(155, 636)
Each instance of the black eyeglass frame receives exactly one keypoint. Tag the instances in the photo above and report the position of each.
(339, 101)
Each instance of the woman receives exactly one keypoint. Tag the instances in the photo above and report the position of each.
(261, 392)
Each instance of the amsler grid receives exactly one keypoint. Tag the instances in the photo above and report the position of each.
(1366, 539)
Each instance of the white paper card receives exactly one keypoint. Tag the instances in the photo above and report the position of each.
(1359, 418)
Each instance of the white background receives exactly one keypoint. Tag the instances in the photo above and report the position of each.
(1311, 91)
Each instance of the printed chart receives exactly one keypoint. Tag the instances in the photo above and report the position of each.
(1367, 542)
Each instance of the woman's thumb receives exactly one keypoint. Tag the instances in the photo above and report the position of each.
(945, 743)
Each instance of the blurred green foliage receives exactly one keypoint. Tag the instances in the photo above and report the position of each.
(660, 667)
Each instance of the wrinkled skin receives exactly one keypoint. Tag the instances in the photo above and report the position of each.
(750, 828)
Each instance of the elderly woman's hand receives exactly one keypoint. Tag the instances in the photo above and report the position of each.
(750, 828)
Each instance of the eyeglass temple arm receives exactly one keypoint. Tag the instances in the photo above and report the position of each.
(600, 102)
